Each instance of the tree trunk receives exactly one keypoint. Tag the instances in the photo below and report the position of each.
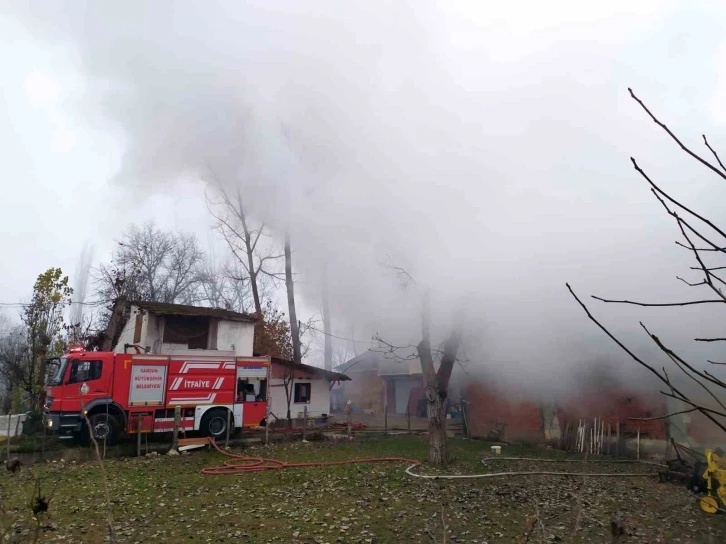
(253, 285)
(328, 350)
(438, 443)
(437, 386)
(250, 250)
(288, 382)
(294, 328)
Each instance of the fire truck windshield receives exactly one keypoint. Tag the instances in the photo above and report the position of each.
(56, 369)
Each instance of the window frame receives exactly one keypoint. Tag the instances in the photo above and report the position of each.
(90, 377)
(296, 392)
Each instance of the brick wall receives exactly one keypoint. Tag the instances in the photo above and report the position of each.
(617, 406)
(492, 408)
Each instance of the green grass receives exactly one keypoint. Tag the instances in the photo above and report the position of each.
(164, 499)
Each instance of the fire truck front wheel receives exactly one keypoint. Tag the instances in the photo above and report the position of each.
(104, 427)
(214, 423)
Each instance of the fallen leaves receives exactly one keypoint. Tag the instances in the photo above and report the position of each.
(164, 499)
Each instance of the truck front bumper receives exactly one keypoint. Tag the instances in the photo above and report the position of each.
(63, 423)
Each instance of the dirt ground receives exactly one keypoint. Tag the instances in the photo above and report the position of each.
(165, 499)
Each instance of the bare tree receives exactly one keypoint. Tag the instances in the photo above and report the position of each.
(154, 265)
(223, 287)
(247, 240)
(436, 381)
(704, 240)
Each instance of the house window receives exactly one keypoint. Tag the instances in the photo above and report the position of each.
(85, 371)
(191, 331)
(302, 393)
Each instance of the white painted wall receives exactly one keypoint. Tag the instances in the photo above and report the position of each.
(127, 333)
(15, 421)
(236, 336)
(319, 399)
(232, 336)
(151, 331)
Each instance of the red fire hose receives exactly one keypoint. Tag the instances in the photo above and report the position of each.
(242, 463)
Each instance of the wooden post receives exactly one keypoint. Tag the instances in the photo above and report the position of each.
(637, 445)
(138, 436)
(610, 439)
(305, 421)
(385, 420)
(267, 411)
(349, 412)
(408, 417)
(177, 422)
(10, 418)
(617, 438)
(463, 415)
(226, 438)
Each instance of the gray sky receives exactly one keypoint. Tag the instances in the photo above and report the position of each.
(484, 147)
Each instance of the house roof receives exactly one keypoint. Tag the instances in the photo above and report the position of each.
(366, 361)
(327, 374)
(374, 361)
(163, 308)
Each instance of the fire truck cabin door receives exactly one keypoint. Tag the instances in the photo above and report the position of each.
(251, 392)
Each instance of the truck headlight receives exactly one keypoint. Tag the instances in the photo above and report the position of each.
(50, 423)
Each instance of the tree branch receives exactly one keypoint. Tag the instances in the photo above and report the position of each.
(663, 417)
(640, 361)
(705, 411)
(719, 249)
(702, 282)
(657, 304)
(673, 200)
(675, 138)
(705, 141)
(675, 357)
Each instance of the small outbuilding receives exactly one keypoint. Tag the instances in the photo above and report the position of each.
(306, 387)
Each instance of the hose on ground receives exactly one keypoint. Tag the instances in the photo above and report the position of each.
(241, 464)
(523, 473)
(609, 461)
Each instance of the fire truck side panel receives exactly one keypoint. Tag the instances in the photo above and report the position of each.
(194, 383)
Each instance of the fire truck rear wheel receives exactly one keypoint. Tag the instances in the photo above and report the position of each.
(214, 423)
(104, 426)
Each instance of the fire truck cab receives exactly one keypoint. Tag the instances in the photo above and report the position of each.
(121, 393)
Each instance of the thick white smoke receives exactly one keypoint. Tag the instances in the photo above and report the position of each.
(483, 148)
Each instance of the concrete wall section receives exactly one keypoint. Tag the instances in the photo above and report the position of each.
(127, 333)
(319, 399)
(16, 423)
(235, 336)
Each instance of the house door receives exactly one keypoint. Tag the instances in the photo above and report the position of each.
(403, 388)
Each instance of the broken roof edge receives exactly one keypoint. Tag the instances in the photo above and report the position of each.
(330, 375)
(165, 308)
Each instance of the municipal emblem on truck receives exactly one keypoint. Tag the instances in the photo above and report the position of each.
(84, 389)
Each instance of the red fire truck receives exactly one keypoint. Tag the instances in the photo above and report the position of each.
(119, 391)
